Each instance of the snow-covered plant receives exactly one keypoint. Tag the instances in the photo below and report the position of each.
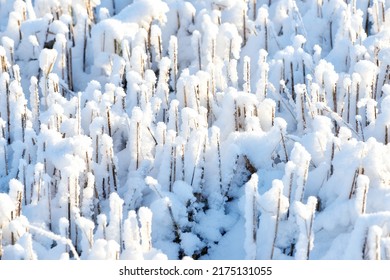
(305, 219)
(188, 129)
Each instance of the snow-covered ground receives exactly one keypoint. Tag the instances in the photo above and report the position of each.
(221, 129)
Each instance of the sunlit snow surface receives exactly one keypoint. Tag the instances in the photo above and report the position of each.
(222, 129)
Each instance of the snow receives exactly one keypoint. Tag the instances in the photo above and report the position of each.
(46, 60)
(251, 217)
(7, 206)
(145, 216)
(172, 129)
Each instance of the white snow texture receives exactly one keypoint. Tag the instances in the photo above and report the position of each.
(173, 129)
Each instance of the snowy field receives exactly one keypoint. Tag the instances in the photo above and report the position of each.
(204, 129)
